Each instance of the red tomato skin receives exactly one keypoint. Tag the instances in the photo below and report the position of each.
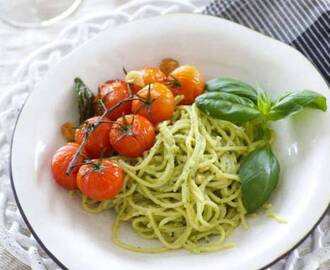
(162, 103)
(60, 163)
(191, 83)
(100, 185)
(111, 92)
(142, 138)
(98, 142)
(152, 75)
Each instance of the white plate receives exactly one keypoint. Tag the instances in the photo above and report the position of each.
(78, 240)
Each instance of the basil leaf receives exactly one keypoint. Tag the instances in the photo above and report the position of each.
(233, 87)
(295, 102)
(259, 174)
(227, 107)
(85, 100)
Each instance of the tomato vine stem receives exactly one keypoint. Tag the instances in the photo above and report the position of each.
(102, 120)
(93, 127)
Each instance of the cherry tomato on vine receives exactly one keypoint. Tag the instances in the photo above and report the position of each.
(157, 103)
(68, 130)
(98, 141)
(167, 65)
(131, 135)
(111, 93)
(187, 81)
(140, 78)
(60, 163)
(100, 180)
(153, 74)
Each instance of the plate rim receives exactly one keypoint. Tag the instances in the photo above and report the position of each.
(33, 232)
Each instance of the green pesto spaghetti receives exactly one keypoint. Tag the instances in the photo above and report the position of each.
(185, 191)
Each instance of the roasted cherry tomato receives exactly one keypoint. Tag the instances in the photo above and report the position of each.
(98, 144)
(68, 130)
(131, 135)
(100, 180)
(157, 103)
(60, 163)
(186, 81)
(153, 74)
(112, 92)
(167, 65)
(140, 78)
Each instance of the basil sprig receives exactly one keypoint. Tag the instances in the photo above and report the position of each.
(234, 108)
(85, 99)
(239, 102)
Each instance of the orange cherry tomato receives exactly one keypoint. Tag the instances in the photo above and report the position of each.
(112, 92)
(186, 81)
(141, 78)
(68, 130)
(98, 142)
(100, 180)
(131, 135)
(60, 163)
(153, 74)
(167, 65)
(157, 103)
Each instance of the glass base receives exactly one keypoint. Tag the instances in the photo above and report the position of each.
(36, 13)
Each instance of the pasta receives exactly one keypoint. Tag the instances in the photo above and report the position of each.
(185, 191)
(175, 173)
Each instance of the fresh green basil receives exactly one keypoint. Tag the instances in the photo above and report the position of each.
(259, 174)
(227, 106)
(239, 102)
(85, 99)
(233, 87)
(264, 103)
(294, 102)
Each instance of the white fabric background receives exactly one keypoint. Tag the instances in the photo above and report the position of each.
(15, 45)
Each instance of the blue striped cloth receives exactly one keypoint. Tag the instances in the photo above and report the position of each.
(303, 24)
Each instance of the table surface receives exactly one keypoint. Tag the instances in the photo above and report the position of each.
(16, 44)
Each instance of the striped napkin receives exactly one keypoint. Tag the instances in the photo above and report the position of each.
(303, 24)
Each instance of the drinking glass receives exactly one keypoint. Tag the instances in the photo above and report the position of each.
(36, 13)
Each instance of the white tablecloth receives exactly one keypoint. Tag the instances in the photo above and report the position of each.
(15, 45)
